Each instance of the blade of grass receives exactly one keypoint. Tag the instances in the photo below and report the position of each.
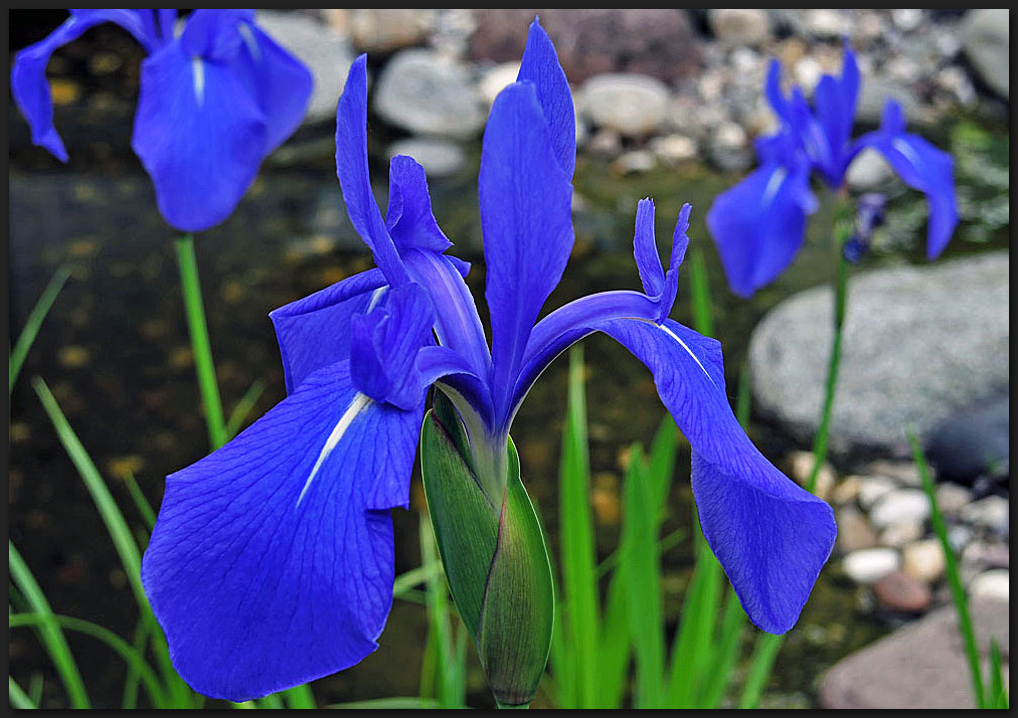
(449, 672)
(997, 691)
(49, 629)
(140, 502)
(18, 697)
(33, 323)
(112, 640)
(577, 545)
(643, 582)
(953, 577)
(394, 703)
(243, 408)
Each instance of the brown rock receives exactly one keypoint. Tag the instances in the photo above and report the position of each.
(661, 43)
(899, 591)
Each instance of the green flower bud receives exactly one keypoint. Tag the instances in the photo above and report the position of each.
(494, 555)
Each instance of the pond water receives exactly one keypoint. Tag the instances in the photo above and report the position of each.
(115, 353)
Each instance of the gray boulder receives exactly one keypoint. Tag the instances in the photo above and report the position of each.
(986, 42)
(919, 343)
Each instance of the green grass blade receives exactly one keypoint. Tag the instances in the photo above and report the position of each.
(49, 629)
(447, 679)
(726, 654)
(394, 703)
(996, 691)
(123, 539)
(577, 545)
(615, 644)
(953, 577)
(764, 653)
(643, 582)
(699, 289)
(112, 640)
(33, 323)
(19, 699)
(141, 503)
(692, 649)
(243, 408)
(300, 697)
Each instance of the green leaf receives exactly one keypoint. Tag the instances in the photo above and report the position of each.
(33, 323)
(579, 579)
(517, 616)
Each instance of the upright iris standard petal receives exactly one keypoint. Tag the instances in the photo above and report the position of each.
(525, 199)
(540, 66)
(759, 224)
(199, 134)
(314, 332)
(835, 100)
(271, 563)
(771, 536)
(922, 167)
(648, 262)
(28, 76)
(409, 218)
(354, 178)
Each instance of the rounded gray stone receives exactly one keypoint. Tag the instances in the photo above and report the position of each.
(918, 343)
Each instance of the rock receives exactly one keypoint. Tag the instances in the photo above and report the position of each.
(674, 149)
(869, 565)
(854, 532)
(924, 560)
(952, 498)
(630, 104)
(987, 555)
(901, 505)
(869, 171)
(826, 24)
(902, 473)
(740, 26)
(847, 490)
(801, 466)
(993, 584)
(387, 30)
(990, 513)
(425, 93)
(661, 43)
(326, 53)
(971, 443)
(900, 591)
(730, 148)
(900, 533)
(440, 158)
(987, 45)
(921, 665)
(497, 78)
(874, 488)
(918, 342)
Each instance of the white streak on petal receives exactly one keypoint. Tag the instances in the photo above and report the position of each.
(672, 334)
(249, 39)
(198, 73)
(376, 297)
(910, 154)
(771, 190)
(360, 403)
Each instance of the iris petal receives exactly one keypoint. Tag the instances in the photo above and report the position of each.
(771, 536)
(28, 76)
(921, 166)
(540, 66)
(409, 218)
(314, 332)
(759, 224)
(199, 134)
(354, 178)
(525, 201)
(271, 563)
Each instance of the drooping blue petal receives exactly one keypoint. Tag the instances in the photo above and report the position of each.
(759, 224)
(28, 76)
(271, 563)
(385, 344)
(354, 178)
(314, 332)
(921, 166)
(409, 218)
(200, 135)
(214, 35)
(281, 83)
(525, 200)
(770, 536)
(540, 66)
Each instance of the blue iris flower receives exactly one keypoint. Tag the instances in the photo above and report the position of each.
(215, 99)
(271, 562)
(759, 224)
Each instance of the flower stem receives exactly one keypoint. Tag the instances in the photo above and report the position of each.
(200, 345)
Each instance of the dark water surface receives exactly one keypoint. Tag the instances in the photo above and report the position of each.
(116, 355)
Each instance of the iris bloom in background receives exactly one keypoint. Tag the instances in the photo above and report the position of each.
(271, 563)
(759, 224)
(216, 97)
